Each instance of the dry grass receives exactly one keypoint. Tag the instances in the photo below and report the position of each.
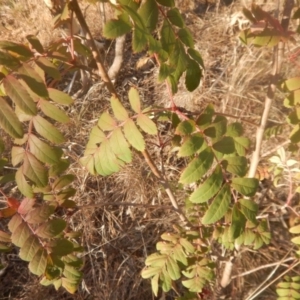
(117, 238)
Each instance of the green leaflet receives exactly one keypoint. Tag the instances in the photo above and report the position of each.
(236, 165)
(241, 144)
(146, 124)
(43, 151)
(22, 184)
(47, 130)
(185, 127)
(291, 84)
(19, 95)
(134, 99)
(61, 247)
(217, 128)
(20, 234)
(149, 14)
(34, 170)
(197, 167)
(63, 181)
(38, 263)
(35, 43)
(106, 162)
(133, 135)
(195, 55)
(175, 17)
(33, 80)
(120, 146)
(116, 28)
(193, 75)
(48, 67)
(191, 145)
(139, 39)
(164, 71)
(53, 111)
(9, 120)
(59, 97)
(249, 209)
(234, 129)
(208, 188)
(168, 38)
(238, 222)
(225, 145)
(186, 37)
(179, 61)
(118, 109)
(106, 122)
(245, 186)
(51, 228)
(19, 49)
(8, 60)
(30, 248)
(219, 206)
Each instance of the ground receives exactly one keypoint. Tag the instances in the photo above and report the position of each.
(117, 238)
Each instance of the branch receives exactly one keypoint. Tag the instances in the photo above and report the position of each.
(95, 52)
(117, 63)
(166, 186)
(277, 61)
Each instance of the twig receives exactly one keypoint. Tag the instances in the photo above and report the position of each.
(277, 61)
(166, 186)
(117, 63)
(263, 267)
(276, 64)
(253, 296)
(95, 52)
(124, 204)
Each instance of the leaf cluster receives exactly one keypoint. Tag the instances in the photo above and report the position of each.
(28, 112)
(174, 49)
(288, 288)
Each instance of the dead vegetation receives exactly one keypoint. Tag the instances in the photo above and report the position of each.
(117, 237)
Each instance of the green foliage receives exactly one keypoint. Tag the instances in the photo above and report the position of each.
(109, 144)
(214, 152)
(289, 289)
(173, 261)
(34, 227)
(174, 49)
